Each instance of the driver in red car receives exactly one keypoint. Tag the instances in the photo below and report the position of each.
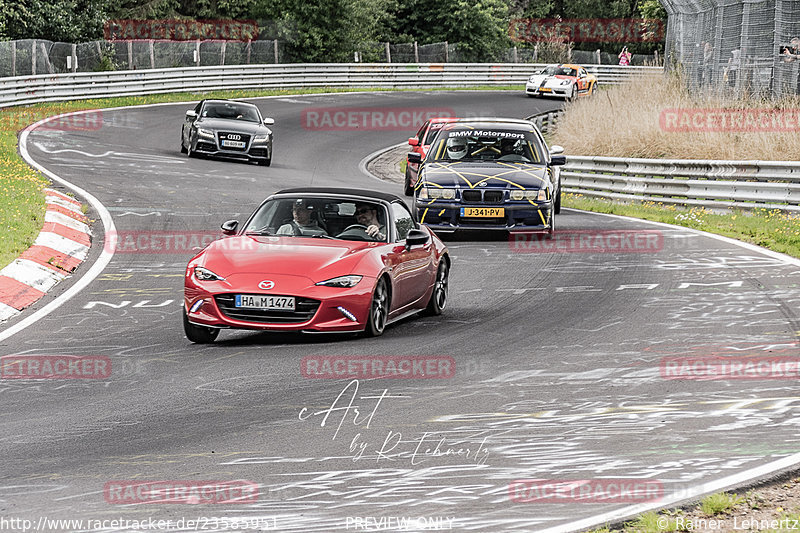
(367, 215)
(302, 223)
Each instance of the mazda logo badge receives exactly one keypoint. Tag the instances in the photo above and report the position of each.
(266, 285)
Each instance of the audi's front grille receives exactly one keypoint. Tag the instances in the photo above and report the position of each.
(234, 137)
(304, 310)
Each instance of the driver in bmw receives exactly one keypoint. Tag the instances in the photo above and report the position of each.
(367, 215)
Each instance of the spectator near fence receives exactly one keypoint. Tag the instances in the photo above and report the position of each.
(625, 57)
(734, 62)
(708, 61)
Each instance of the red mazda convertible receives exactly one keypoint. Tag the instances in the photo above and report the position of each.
(316, 259)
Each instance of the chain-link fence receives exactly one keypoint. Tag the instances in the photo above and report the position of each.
(744, 48)
(31, 57)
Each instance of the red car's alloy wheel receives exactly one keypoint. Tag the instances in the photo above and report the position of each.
(379, 310)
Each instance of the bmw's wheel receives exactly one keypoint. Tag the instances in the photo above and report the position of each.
(557, 204)
(198, 334)
(378, 310)
(438, 300)
(573, 94)
(408, 189)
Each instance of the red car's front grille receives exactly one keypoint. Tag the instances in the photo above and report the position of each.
(305, 309)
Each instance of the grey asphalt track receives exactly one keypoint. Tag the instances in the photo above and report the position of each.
(558, 357)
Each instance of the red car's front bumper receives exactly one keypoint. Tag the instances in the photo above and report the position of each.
(317, 308)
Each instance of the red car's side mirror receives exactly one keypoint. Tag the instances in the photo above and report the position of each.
(413, 141)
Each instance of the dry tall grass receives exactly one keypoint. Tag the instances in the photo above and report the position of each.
(623, 121)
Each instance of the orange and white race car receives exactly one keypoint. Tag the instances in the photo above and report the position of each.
(566, 81)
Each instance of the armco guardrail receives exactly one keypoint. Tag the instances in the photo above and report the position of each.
(690, 182)
(58, 87)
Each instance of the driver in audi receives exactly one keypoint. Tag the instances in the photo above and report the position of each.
(367, 215)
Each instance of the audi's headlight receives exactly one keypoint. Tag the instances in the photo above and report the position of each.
(204, 274)
(517, 195)
(205, 133)
(260, 138)
(342, 281)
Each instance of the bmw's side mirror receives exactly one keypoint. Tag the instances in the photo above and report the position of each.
(229, 227)
(414, 157)
(558, 160)
(269, 121)
(416, 237)
(191, 114)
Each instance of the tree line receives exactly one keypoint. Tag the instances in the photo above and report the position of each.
(327, 30)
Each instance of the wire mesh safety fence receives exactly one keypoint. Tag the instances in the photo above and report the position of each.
(736, 48)
(34, 57)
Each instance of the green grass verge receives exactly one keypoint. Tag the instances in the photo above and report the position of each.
(21, 197)
(772, 229)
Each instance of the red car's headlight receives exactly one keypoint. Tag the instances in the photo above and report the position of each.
(342, 281)
(204, 274)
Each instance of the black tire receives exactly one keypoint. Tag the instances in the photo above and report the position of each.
(557, 204)
(574, 94)
(438, 300)
(552, 229)
(198, 334)
(189, 151)
(265, 162)
(408, 189)
(378, 310)
(183, 148)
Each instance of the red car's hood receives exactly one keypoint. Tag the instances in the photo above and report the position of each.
(297, 256)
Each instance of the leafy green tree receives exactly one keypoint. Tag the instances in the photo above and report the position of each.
(323, 30)
(55, 20)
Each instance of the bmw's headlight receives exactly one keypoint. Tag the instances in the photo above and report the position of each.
(542, 196)
(342, 281)
(260, 138)
(517, 195)
(204, 274)
(205, 133)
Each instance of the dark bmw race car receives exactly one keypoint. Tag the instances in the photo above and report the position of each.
(489, 174)
(227, 128)
(322, 260)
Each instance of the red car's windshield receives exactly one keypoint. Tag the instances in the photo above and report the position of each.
(332, 218)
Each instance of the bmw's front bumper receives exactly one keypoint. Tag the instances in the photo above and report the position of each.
(446, 216)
